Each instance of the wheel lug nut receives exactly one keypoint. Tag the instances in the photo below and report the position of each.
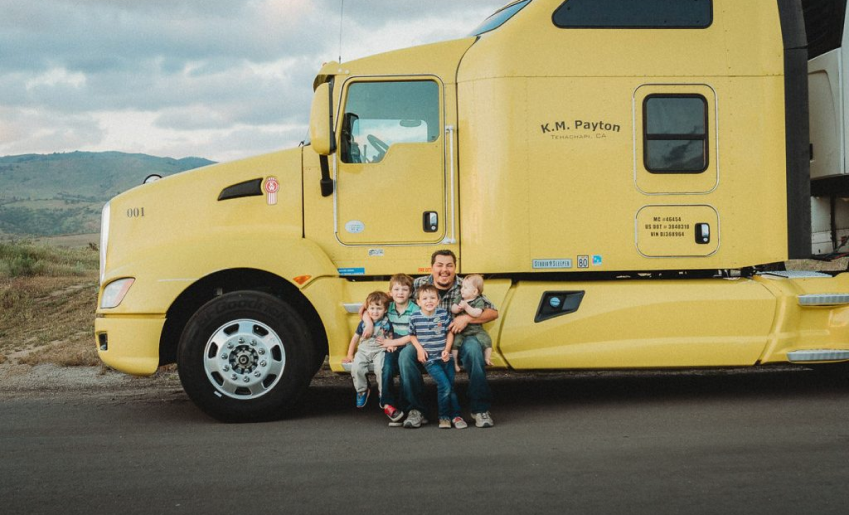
(230, 345)
(253, 343)
(224, 356)
(257, 374)
(247, 379)
(241, 340)
(226, 368)
(234, 377)
(261, 352)
(263, 363)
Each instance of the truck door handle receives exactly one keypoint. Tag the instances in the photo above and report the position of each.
(702, 234)
(430, 221)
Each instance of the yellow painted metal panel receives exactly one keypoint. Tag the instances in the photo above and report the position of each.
(640, 324)
(674, 231)
(133, 343)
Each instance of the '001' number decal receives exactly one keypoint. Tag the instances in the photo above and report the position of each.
(135, 212)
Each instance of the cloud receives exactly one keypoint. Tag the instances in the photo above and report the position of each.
(233, 71)
(30, 131)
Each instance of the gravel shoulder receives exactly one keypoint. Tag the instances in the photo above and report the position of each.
(100, 384)
(52, 381)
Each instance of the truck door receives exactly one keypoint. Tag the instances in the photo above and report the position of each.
(390, 168)
(676, 169)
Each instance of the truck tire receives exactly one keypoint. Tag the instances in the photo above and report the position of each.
(245, 357)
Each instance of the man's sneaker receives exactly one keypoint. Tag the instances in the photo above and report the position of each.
(362, 398)
(395, 415)
(483, 419)
(459, 423)
(414, 419)
(444, 423)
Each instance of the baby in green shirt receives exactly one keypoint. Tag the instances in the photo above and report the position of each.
(473, 305)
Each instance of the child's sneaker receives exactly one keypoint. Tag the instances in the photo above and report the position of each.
(459, 423)
(414, 419)
(395, 415)
(362, 398)
(444, 423)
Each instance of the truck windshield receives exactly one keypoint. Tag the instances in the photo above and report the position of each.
(500, 18)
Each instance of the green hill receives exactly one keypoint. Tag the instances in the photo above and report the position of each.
(53, 194)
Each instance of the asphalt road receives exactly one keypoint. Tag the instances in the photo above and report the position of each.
(726, 442)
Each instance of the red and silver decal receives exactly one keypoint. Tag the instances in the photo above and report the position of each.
(271, 188)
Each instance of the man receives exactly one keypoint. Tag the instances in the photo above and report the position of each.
(443, 276)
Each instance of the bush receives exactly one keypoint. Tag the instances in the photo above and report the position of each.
(24, 259)
(26, 266)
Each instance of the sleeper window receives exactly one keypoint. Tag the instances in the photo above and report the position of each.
(636, 14)
(675, 134)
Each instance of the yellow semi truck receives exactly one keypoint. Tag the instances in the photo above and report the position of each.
(621, 172)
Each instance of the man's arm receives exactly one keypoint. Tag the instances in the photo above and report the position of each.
(462, 321)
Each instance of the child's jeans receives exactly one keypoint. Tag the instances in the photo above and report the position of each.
(390, 370)
(442, 373)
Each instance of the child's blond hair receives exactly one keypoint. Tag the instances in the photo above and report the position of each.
(477, 282)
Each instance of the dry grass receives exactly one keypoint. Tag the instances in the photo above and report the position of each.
(47, 313)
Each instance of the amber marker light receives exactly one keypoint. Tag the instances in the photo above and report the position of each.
(302, 279)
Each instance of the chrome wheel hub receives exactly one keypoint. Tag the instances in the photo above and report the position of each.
(244, 359)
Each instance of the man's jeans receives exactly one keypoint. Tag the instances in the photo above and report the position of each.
(443, 375)
(479, 394)
(471, 356)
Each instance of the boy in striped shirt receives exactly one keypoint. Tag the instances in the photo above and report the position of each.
(432, 340)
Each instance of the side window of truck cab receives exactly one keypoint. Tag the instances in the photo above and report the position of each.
(379, 115)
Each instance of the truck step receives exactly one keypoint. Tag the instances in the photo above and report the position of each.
(824, 299)
(807, 356)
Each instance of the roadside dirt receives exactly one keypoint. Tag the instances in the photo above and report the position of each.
(48, 381)
(52, 381)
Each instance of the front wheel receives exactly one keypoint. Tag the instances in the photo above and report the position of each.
(245, 356)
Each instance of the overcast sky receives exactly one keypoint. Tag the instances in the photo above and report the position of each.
(220, 79)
